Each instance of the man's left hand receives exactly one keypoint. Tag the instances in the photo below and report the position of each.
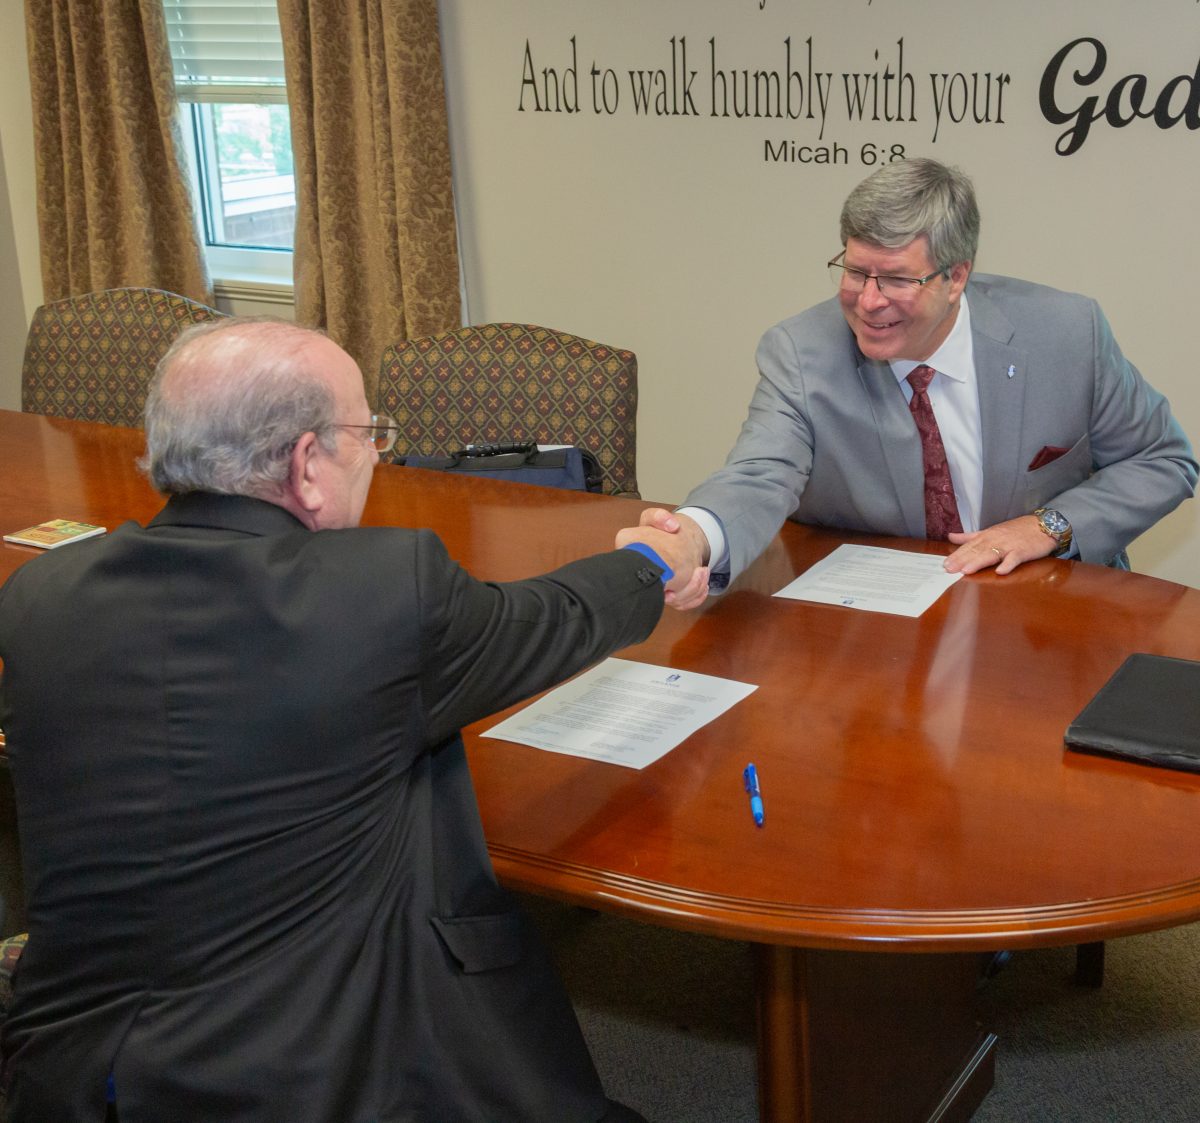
(1005, 546)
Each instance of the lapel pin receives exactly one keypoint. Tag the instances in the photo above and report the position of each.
(1011, 371)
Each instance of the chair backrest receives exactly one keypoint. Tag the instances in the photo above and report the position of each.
(508, 382)
(91, 357)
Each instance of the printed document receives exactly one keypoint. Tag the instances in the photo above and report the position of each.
(621, 711)
(874, 579)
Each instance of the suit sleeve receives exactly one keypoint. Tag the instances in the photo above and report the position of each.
(765, 474)
(1143, 466)
(486, 645)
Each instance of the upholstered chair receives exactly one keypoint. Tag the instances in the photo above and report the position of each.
(91, 357)
(512, 382)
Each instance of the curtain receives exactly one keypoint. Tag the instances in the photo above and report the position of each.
(376, 258)
(113, 203)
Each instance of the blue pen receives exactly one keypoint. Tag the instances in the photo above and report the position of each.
(750, 778)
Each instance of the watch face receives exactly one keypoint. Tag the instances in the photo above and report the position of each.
(1055, 523)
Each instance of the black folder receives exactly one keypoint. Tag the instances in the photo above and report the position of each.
(1149, 711)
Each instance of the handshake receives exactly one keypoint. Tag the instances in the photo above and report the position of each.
(682, 545)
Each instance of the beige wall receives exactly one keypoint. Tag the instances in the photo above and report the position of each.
(674, 237)
(671, 235)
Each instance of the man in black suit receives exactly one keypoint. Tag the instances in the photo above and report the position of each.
(258, 885)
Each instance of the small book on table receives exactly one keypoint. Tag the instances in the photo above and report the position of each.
(57, 532)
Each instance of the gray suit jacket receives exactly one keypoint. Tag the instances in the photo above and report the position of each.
(829, 439)
(258, 884)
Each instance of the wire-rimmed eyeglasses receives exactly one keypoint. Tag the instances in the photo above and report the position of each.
(894, 288)
(382, 432)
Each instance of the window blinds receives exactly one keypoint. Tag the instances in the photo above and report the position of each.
(226, 50)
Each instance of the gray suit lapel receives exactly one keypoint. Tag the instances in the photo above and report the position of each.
(899, 442)
(1001, 371)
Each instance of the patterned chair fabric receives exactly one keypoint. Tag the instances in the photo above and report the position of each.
(510, 382)
(91, 357)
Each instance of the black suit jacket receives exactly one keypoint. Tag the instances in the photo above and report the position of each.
(258, 885)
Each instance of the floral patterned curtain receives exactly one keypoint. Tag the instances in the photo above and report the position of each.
(376, 257)
(114, 208)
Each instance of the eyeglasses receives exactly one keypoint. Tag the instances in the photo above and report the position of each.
(382, 432)
(894, 288)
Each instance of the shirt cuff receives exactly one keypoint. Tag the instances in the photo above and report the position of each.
(718, 547)
(645, 551)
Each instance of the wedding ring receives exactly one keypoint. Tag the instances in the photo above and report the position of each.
(996, 552)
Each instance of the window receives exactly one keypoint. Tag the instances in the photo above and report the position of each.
(228, 61)
(241, 155)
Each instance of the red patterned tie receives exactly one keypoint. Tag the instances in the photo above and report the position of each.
(941, 509)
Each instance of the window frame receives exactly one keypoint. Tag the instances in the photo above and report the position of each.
(260, 81)
(264, 265)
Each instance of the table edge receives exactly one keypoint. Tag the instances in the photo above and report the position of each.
(799, 925)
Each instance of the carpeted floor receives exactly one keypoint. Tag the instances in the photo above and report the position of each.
(670, 1019)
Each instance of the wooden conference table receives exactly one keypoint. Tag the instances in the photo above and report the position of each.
(920, 807)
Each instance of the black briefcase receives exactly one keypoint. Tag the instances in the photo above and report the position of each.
(518, 462)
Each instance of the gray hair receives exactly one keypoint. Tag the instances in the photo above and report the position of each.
(904, 200)
(227, 404)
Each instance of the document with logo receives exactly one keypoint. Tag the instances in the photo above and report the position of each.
(623, 712)
(874, 579)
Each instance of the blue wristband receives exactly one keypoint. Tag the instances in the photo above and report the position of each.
(645, 551)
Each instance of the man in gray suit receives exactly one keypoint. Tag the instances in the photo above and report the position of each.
(259, 888)
(925, 401)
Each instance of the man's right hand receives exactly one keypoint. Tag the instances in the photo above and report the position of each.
(681, 543)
